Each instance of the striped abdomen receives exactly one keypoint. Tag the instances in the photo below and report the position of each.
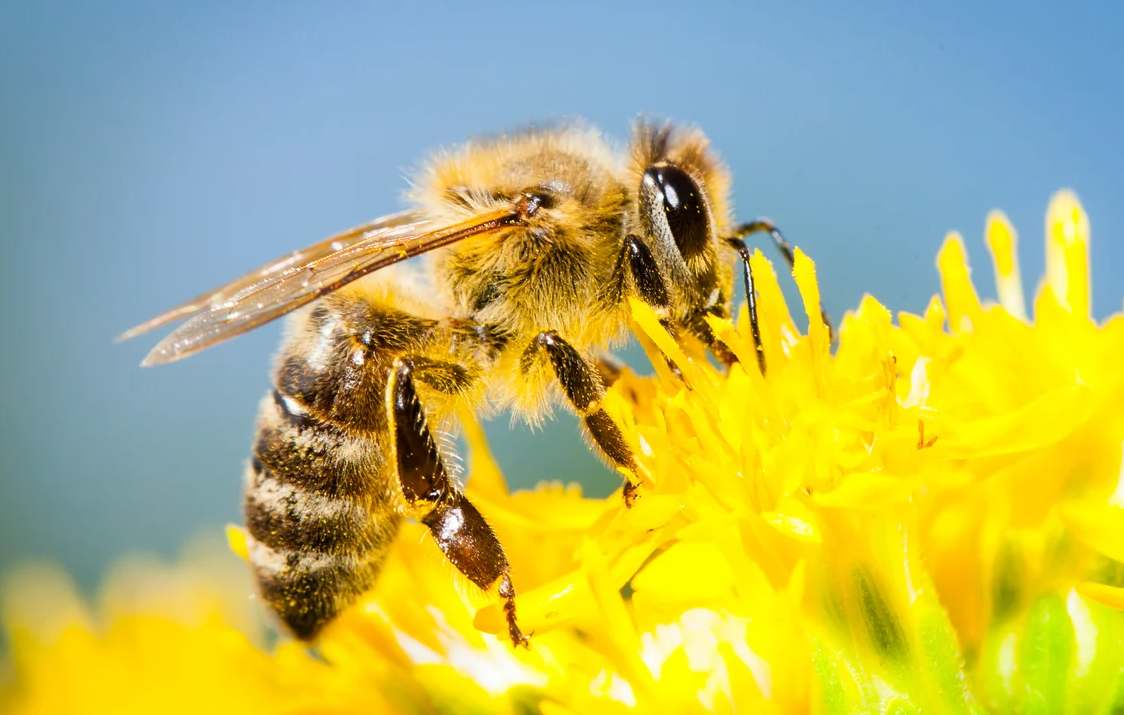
(318, 510)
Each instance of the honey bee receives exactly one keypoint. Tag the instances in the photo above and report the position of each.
(536, 241)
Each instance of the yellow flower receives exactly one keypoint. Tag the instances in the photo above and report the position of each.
(929, 520)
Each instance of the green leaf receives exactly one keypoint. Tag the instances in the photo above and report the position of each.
(1047, 651)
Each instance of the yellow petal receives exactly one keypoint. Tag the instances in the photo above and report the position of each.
(1101, 528)
(794, 519)
(1044, 421)
(649, 322)
(1111, 596)
(649, 513)
(935, 313)
(483, 471)
(236, 538)
(956, 282)
(804, 271)
(1003, 242)
(541, 610)
(1067, 252)
(686, 571)
(870, 490)
(777, 328)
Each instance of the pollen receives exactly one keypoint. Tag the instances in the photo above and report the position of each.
(927, 517)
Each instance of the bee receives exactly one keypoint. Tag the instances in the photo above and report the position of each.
(535, 242)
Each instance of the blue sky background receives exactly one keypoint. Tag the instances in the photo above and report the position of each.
(149, 151)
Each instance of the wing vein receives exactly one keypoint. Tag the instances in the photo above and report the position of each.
(287, 284)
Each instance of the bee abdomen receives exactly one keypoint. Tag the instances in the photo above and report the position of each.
(318, 531)
(307, 589)
(304, 451)
(284, 516)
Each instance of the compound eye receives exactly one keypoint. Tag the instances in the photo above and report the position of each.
(680, 206)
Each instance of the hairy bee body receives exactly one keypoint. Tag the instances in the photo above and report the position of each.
(547, 275)
(321, 505)
(320, 509)
(536, 241)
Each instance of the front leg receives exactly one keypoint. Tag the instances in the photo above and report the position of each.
(737, 242)
(750, 298)
(636, 262)
(583, 388)
(458, 528)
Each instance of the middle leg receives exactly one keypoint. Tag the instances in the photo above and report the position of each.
(584, 390)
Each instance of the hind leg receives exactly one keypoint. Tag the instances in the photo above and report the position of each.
(454, 522)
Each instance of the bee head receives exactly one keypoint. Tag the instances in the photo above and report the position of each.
(680, 213)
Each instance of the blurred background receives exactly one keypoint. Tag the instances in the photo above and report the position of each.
(149, 151)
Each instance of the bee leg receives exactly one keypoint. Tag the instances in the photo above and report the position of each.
(449, 378)
(636, 260)
(750, 299)
(458, 528)
(785, 249)
(652, 288)
(646, 274)
(584, 390)
(609, 367)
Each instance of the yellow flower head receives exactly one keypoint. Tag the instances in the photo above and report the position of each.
(929, 520)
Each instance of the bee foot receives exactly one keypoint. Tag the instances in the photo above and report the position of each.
(507, 593)
(630, 494)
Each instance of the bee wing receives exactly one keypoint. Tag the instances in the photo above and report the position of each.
(226, 292)
(284, 285)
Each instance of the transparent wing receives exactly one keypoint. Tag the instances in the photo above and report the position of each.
(312, 253)
(284, 285)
